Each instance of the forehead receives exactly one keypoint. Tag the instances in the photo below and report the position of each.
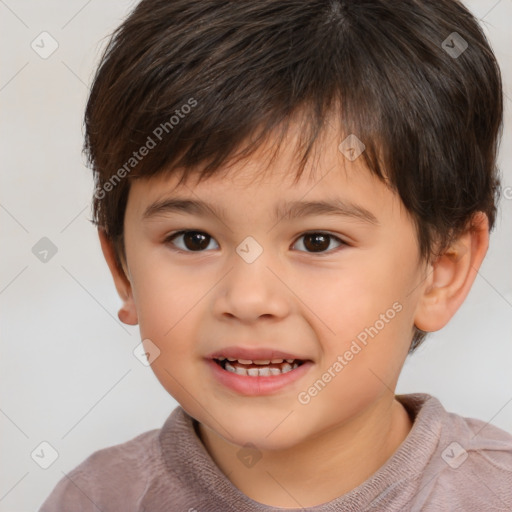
(261, 182)
(229, 197)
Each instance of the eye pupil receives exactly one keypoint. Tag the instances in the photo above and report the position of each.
(319, 241)
(192, 237)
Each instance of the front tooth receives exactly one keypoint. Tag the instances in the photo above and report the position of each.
(253, 372)
(264, 372)
(261, 361)
(286, 368)
(230, 368)
(240, 371)
(245, 361)
(276, 361)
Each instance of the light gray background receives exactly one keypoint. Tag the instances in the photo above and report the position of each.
(68, 374)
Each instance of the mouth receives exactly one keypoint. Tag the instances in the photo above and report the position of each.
(257, 371)
(258, 367)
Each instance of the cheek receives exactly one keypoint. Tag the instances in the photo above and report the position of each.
(165, 299)
(165, 308)
(369, 317)
(347, 299)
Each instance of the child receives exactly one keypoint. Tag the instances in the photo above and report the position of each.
(335, 162)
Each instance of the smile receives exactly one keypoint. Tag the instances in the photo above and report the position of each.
(257, 377)
(258, 368)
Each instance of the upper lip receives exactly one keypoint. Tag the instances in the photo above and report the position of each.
(255, 354)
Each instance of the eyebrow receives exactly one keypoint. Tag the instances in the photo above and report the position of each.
(290, 210)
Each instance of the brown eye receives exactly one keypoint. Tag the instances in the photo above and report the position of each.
(319, 242)
(198, 241)
(192, 241)
(316, 242)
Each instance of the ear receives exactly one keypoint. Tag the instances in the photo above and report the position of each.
(128, 313)
(451, 276)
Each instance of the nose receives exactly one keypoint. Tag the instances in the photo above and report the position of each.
(252, 290)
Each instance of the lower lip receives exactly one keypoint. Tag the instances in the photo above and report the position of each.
(252, 386)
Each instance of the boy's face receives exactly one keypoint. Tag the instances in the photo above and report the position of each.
(348, 309)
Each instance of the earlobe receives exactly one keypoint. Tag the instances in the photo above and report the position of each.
(451, 276)
(127, 313)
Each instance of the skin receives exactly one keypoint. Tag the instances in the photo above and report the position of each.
(190, 304)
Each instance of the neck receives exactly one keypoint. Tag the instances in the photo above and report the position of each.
(321, 468)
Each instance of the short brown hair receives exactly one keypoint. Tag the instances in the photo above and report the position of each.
(415, 80)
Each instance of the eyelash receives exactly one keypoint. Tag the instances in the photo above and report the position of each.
(168, 241)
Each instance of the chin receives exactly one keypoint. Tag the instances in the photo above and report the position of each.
(266, 436)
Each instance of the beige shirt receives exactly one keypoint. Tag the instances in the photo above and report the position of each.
(446, 463)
